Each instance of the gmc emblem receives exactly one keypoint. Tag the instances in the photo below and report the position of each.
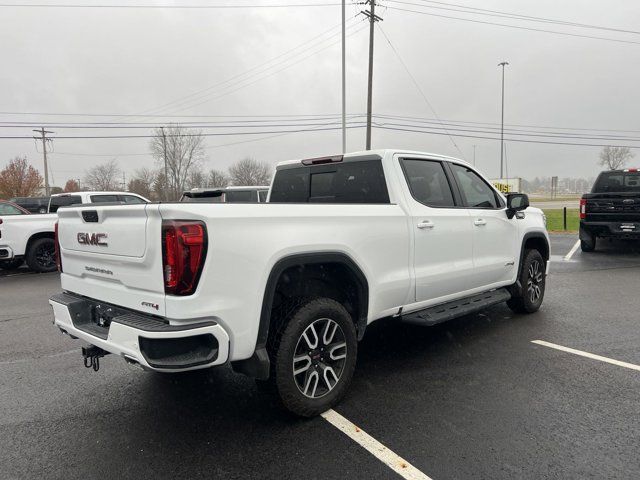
(92, 239)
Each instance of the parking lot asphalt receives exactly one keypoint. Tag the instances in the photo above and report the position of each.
(471, 398)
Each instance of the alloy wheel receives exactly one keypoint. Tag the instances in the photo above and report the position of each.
(319, 358)
(534, 281)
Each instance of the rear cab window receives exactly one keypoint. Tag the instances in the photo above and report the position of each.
(241, 196)
(617, 182)
(63, 201)
(355, 181)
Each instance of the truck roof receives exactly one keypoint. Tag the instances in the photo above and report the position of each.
(84, 192)
(371, 153)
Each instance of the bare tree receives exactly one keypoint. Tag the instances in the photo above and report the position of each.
(218, 179)
(19, 179)
(105, 176)
(160, 187)
(249, 171)
(184, 151)
(615, 158)
(197, 179)
(142, 182)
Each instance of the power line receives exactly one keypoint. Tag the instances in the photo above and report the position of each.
(519, 27)
(204, 99)
(256, 67)
(417, 85)
(157, 6)
(501, 14)
(518, 140)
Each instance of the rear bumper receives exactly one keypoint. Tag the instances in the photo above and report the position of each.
(611, 229)
(143, 339)
(6, 253)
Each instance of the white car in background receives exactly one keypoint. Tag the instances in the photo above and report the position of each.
(31, 237)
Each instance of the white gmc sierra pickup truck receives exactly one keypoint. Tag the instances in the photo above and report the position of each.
(284, 290)
(30, 238)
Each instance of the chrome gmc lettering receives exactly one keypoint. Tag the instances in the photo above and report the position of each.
(92, 239)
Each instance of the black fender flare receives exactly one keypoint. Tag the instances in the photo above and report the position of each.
(258, 364)
(528, 236)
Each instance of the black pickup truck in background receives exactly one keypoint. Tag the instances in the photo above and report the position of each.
(612, 209)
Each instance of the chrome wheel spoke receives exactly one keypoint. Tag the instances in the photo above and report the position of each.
(311, 383)
(301, 363)
(329, 332)
(311, 336)
(337, 351)
(330, 377)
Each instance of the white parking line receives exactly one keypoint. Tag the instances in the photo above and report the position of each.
(374, 447)
(572, 251)
(587, 354)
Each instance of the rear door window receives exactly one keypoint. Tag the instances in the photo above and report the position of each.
(104, 198)
(428, 182)
(131, 199)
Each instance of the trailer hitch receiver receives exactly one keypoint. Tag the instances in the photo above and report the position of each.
(91, 355)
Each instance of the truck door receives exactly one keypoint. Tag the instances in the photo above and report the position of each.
(443, 256)
(494, 235)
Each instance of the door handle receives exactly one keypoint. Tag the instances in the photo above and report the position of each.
(479, 222)
(426, 224)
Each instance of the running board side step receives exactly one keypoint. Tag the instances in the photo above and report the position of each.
(457, 308)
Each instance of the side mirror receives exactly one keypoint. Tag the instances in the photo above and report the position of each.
(516, 202)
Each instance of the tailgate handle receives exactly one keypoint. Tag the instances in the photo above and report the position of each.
(90, 216)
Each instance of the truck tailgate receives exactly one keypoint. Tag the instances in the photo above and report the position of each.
(106, 254)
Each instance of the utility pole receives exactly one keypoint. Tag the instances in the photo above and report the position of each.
(502, 64)
(344, 81)
(373, 18)
(124, 181)
(166, 175)
(43, 136)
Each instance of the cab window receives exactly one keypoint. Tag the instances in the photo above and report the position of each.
(7, 209)
(428, 182)
(130, 199)
(476, 193)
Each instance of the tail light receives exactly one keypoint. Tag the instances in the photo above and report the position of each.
(57, 248)
(583, 208)
(184, 247)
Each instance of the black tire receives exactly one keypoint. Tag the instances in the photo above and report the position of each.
(11, 264)
(587, 242)
(533, 281)
(41, 255)
(313, 390)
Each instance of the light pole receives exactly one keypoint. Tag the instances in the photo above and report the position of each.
(502, 64)
(344, 82)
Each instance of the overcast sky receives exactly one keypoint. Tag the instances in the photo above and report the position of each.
(120, 61)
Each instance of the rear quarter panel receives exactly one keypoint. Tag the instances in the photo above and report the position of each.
(246, 241)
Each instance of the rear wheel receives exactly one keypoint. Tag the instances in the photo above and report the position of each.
(532, 280)
(315, 356)
(41, 256)
(587, 242)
